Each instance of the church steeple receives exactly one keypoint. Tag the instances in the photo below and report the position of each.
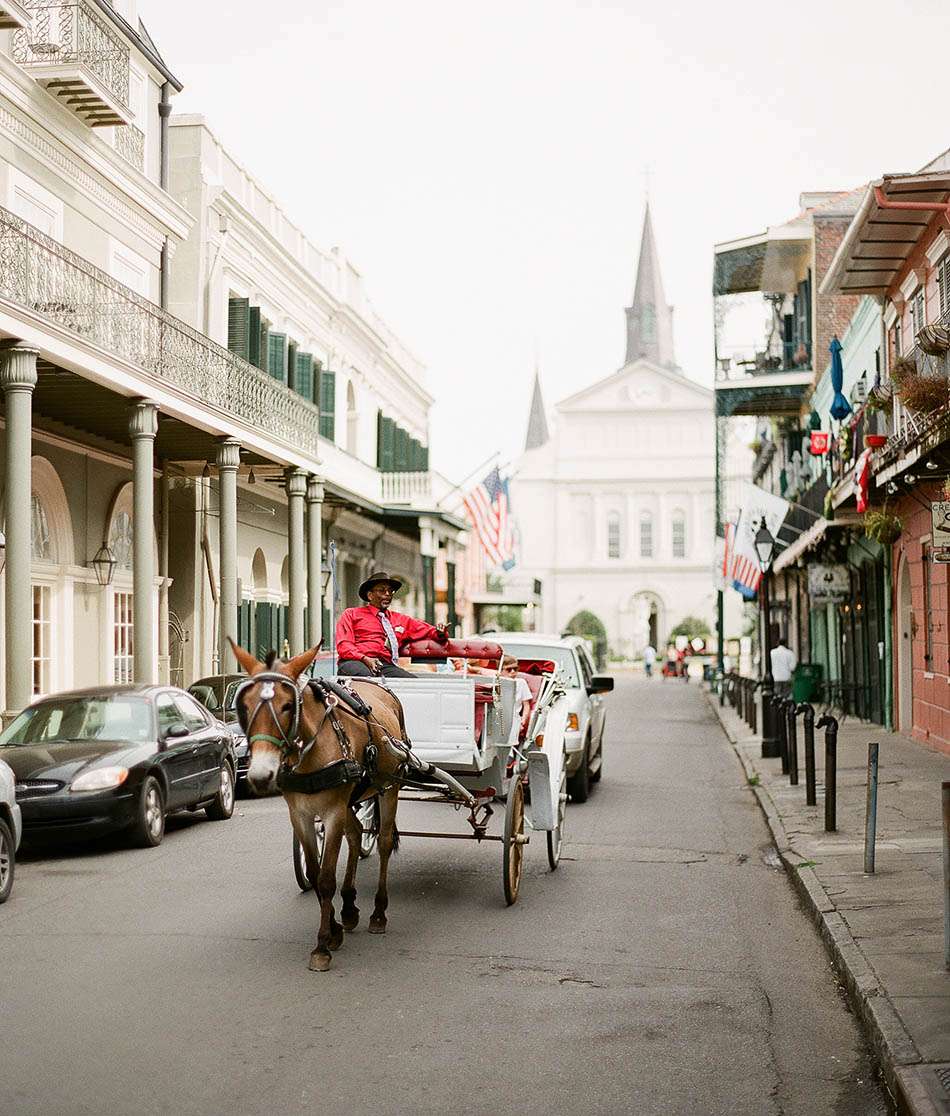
(649, 319)
(537, 422)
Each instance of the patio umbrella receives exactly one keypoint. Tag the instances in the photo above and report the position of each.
(840, 407)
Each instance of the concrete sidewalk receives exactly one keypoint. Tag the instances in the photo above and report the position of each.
(884, 931)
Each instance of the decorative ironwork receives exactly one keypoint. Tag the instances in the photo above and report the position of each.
(41, 275)
(74, 33)
(130, 144)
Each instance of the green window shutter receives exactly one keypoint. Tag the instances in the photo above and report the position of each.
(264, 346)
(277, 356)
(238, 309)
(402, 450)
(303, 376)
(328, 404)
(379, 439)
(389, 445)
(254, 335)
(425, 460)
(292, 365)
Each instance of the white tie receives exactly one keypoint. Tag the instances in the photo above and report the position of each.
(390, 636)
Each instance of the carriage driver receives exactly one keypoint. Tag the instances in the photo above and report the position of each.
(368, 638)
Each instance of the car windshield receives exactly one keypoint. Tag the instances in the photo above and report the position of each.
(206, 694)
(563, 657)
(68, 720)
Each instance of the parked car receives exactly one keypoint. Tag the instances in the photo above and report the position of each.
(216, 694)
(586, 718)
(118, 757)
(11, 827)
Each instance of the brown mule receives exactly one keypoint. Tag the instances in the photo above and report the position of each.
(278, 717)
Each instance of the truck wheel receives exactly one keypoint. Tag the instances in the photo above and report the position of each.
(578, 785)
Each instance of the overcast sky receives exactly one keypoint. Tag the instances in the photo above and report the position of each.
(484, 164)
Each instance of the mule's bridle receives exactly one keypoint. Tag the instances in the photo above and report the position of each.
(269, 680)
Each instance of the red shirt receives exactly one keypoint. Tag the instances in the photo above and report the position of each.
(359, 632)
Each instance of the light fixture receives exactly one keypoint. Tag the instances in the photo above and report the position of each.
(104, 565)
(327, 572)
(206, 471)
(932, 466)
(910, 479)
(891, 488)
(764, 546)
(251, 479)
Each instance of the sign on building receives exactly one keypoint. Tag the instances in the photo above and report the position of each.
(940, 517)
(828, 584)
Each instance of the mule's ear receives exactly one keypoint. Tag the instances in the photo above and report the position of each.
(245, 658)
(299, 663)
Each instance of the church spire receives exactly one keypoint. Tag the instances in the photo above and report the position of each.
(649, 319)
(537, 422)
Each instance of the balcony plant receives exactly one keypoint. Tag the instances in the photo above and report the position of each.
(882, 526)
(934, 339)
(880, 400)
(924, 395)
(875, 441)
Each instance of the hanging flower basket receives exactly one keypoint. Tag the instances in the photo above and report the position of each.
(875, 441)
(880, 399)
(882, 527)
(924, 395)
(902, 370)
(934, 339)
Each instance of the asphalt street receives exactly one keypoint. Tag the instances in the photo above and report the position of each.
(666, 967)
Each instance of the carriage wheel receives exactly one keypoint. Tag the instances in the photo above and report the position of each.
(556, 835)
(300, 861)
(514, 840)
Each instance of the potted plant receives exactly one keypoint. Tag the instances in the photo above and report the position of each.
(882, 526)
(924, 394)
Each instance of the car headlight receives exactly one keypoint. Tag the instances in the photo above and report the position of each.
(573, 725)
(104, 778)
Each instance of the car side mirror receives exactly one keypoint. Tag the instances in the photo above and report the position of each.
(179, 728)
(601, 684)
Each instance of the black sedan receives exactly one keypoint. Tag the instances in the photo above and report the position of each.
(216, 694)
(118, 757)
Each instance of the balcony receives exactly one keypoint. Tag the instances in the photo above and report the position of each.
(75, 54)
(42, 277)
(130, 144)
(406, 488)
(772, 381)
(13, 15)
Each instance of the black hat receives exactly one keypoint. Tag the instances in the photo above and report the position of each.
(377, 579)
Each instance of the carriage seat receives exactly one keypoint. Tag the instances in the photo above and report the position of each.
(453, 649)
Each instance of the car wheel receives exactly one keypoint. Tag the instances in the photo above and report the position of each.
(578, 785)
(7, 860)
(222, 806)
(596, 777)
(148, 829)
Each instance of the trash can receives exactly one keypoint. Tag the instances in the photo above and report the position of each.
(806, 678)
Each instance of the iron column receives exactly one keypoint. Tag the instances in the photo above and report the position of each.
(228, 459)
(314, 561)
(143, 426)
(296, 483)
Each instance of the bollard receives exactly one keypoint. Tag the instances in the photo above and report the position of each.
(809, 723)
(749, 700)
(753, 707)
(945, 794)
(782, 722)
(870, 813)
(791, 710)
(830, 725)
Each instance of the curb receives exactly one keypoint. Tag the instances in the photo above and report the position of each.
(889, 1038)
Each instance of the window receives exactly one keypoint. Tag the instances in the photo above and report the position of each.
(678, 531)
(191, 713)
(328, 405)
(352, 419)
(943, 285)
(120, 540)
(896, 340)
(613, 535)
(646, 535)
(40, 549)
(42, 641)
(918, 312)
(122, 661)
(168, 714)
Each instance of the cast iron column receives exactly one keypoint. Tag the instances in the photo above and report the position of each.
(143, 426)
(228, 459)
(296, 482)
(770, 745)
(18, 379)
(314, 561)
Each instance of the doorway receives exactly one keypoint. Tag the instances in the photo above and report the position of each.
(905, 650)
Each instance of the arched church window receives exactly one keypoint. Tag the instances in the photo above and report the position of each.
(40, 548)
(646, 535)
(678, 530)
(613, 535)
(120, 540)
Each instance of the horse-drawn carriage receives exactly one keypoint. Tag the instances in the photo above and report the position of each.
(467, 728)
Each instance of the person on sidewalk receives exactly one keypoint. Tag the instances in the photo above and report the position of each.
(784, 662)
(368, 637)
(649, 658)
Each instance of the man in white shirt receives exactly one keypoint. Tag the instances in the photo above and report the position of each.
(649, 658)
(783, 664)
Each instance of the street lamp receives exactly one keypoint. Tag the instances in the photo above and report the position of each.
(765, 550)
(104, 564)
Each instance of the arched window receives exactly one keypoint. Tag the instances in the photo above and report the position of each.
(120, 539)
(646, 535)
(40, 548)
(678, 533)
(613, 535)
(352, 419)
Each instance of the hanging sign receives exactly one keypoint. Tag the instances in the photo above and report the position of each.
(940, 518)
(940, 555)
(828, 584)
(818, 442)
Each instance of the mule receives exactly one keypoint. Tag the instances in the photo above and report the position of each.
(300, 739)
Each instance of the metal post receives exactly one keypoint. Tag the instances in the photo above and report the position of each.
(781, 722)
(143, 426)
(790, 711)
(331, 562)
(770, 739)
(315, 493)
(830, 725)
(809, 722)
(945, 796)
(870, 813)
(296, 484)
(228, 459)
(753, 708)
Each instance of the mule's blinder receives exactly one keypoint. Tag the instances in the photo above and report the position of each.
(268, 680)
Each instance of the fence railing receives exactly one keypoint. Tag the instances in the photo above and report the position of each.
(63, 33)
(130, 144)
(42, 276)
(403, 488)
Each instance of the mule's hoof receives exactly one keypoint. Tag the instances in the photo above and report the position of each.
(377, 927)
(336, 941)
(319, 962)
(350, 921)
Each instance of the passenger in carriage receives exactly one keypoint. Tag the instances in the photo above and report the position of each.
(509, 668)
(368, 637)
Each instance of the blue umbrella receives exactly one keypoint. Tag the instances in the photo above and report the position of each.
(840, 407)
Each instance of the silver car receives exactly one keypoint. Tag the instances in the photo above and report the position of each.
(11, 829)
(584, 739)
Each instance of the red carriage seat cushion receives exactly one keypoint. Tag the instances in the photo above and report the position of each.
(454, 649)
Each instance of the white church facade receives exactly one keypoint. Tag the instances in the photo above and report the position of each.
(615, 503)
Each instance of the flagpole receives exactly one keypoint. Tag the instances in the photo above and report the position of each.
(468, 476)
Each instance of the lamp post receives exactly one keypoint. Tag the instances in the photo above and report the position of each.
(765, 549)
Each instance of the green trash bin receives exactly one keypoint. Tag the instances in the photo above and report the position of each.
(806, 678)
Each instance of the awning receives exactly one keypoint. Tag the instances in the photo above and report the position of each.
(811, 537)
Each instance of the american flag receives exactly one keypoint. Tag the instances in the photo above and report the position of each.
(488, 507)
(758, 507)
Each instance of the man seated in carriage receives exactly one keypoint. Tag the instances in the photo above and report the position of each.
(369, 637)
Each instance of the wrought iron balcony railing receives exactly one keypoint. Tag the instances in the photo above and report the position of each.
(79, 57)
(130, 144)
(793, 357)
(40, 275)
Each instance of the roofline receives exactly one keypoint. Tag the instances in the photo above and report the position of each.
(149, 51)
(833, 274)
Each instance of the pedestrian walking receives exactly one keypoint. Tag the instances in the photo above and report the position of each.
(784, 661)
(649, 658)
